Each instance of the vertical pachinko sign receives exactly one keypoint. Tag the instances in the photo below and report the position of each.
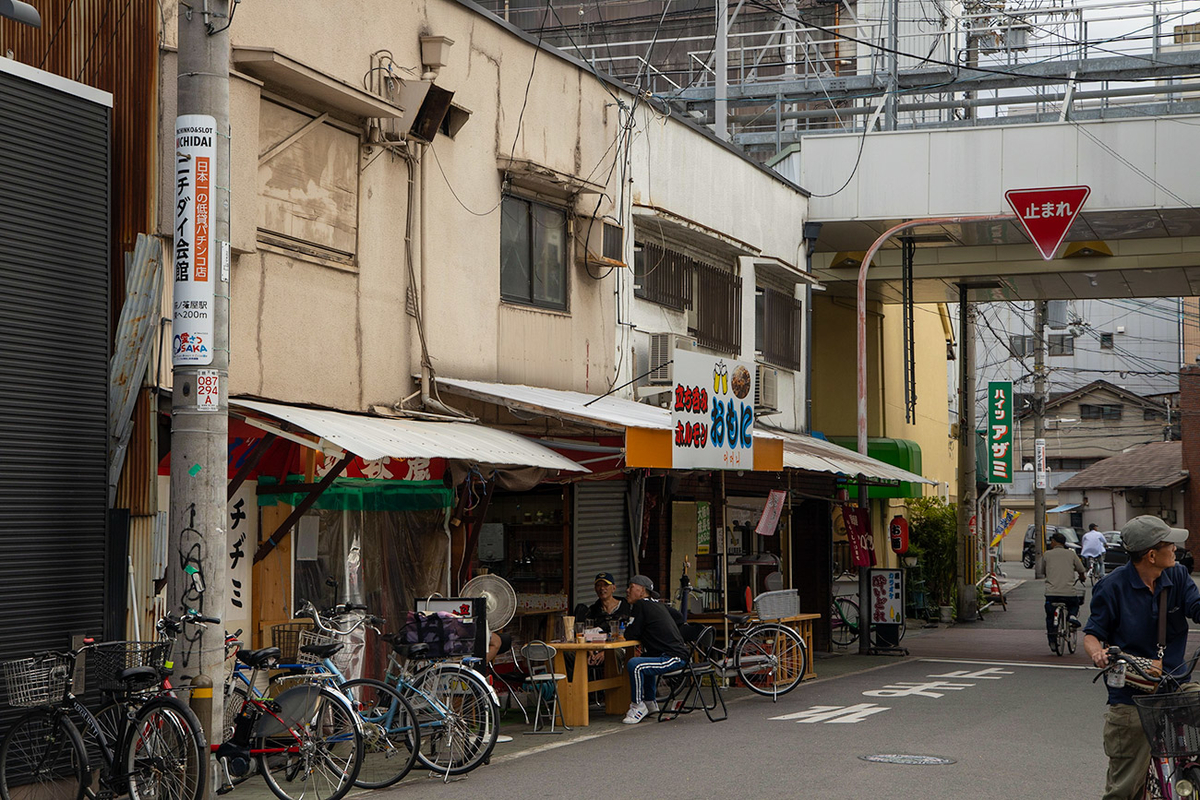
(999, 432)
(712, 412)
(195, 159)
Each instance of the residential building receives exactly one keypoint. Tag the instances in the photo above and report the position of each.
(1147, 479)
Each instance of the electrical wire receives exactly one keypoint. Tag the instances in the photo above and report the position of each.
(57, 31)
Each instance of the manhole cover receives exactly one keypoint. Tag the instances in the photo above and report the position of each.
(902, 758)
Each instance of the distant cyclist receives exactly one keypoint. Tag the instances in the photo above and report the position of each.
(1059, 566)
(1093, 549)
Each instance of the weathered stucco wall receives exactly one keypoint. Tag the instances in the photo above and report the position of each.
(332, 330)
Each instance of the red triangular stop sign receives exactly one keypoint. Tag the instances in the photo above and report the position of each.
(1046, 214)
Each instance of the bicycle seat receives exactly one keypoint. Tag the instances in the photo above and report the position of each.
(138, 675)
(737, 619)
(322, 650)
(417, 650)
(263, 657)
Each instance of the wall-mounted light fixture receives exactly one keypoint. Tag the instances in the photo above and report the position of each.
(21, 12)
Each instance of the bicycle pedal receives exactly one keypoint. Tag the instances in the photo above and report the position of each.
(224, 789)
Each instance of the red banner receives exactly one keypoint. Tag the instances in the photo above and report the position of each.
(858, 533)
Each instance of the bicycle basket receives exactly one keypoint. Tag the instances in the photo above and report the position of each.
(341, 659)
(107, 660)
(1171, 722)
(36, 681)
(287, 638)
(777, 605)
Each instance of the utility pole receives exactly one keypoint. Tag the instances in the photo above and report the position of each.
(893, 82)
(968, 607)
(196, 571)
(1039, 425)
(721, 107)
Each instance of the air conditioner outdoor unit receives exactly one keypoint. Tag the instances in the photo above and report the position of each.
(766, 390)
(662, 347)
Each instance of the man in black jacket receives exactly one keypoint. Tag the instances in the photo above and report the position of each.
(663, 648)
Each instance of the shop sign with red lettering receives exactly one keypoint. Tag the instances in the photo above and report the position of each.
(712, 412)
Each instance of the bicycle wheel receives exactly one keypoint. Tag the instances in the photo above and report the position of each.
(843, 618)
(319, 754)
(1059, 633)
(42, 758)
(166, 757)
(1072, 634)
(771, 659)
(459, 721)
(391, 736)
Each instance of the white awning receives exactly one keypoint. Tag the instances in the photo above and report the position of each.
(817, 455)
(1063, 508)
(373, 438)
(610, 413)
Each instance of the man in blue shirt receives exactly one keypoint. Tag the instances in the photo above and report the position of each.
(1124, 614)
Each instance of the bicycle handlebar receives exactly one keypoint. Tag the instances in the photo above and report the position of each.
(322, 619)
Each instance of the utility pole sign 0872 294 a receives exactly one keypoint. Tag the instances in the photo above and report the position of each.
(195, 157)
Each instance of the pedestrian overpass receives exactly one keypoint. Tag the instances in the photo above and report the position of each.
(1138, 235)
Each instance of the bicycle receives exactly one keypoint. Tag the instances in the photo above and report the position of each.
(309, 738)
(844, 622)
(768, 657)
(457, 711)
(1171, 721)
(151, 748)
(1095, 568)
(1065, 633)
(392, 736)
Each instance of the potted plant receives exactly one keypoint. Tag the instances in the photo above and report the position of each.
(933, 538)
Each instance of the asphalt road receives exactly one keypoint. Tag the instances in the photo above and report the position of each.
(1011, 731)
(1015, 720)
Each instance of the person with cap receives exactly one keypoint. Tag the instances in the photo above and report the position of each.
(1092, 549)
(663, 648)
(1125, 614)
(1061, 568)
(607, 608)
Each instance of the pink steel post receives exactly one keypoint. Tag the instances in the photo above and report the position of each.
(862, 304)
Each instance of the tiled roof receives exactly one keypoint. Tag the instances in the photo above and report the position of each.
(1149, 466)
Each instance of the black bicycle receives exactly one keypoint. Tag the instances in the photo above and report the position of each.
(150, 749)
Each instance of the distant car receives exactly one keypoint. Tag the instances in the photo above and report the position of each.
(1115, 555)
(1029, 552)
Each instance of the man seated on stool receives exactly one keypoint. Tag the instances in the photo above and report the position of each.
(663, 648)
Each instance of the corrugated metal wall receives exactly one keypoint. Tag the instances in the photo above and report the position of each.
(54, 351)
(601, 537)
(110, 45)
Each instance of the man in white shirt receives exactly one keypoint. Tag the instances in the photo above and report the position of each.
(1093, 547)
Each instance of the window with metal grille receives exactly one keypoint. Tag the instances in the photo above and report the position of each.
(662, 276)
(718, 302)
(533, 253)
(1061, 344)
(777, 328)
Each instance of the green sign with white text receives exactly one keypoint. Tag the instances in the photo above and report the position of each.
(999, 432)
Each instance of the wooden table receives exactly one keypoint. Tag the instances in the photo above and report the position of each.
(573, 692)
(800, 623)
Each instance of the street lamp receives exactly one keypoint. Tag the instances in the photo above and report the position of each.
(21, 12)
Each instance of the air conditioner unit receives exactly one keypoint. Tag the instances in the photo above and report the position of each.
(662, 348)
(600, 243)
(766, 390)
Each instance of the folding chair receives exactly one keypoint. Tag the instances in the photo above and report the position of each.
(508, 683)
(543, 680)
(689, 682)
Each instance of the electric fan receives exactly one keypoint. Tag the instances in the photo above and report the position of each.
(499, 595)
